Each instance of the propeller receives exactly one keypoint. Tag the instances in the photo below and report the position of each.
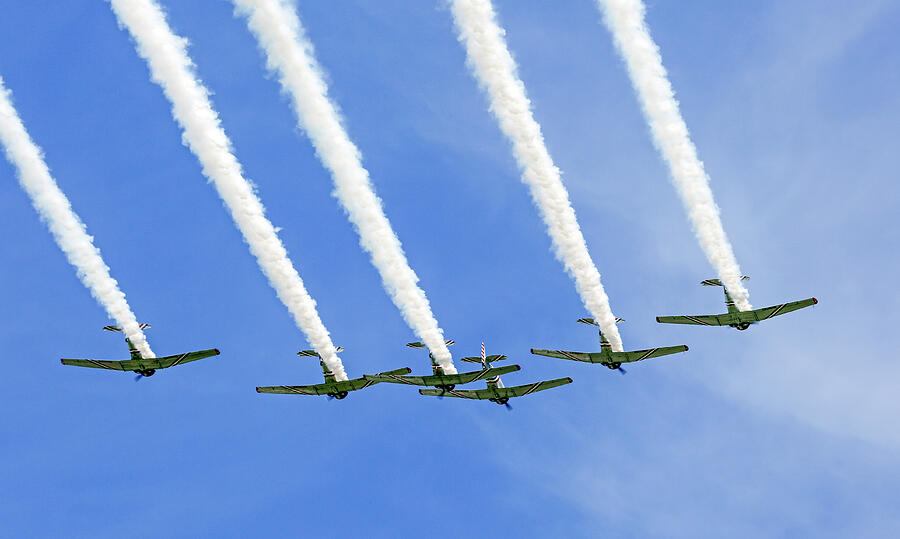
(508, 405)
(138, 377)
(621, 370)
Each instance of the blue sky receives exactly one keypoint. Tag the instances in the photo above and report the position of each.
(787, 429)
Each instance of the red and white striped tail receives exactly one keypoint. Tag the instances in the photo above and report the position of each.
(483, 358)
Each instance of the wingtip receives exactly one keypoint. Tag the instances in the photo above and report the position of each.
(420, 392)
(258, 391)
(408, 370)
(532, 350)
(518, 368)
(569, 378)
(686, 347)
(815, 301)
(657, 319)
(216, 350)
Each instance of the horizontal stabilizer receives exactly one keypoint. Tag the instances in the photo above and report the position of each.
(717, 282)
(143, 363)
(313, 353)
(119, 330)
(489, 359)
(593, 322)
(421, 345)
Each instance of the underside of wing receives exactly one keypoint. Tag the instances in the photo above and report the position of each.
(457, 393)
(520, 391)
(97, 364)
(442, 379)
(329, 388)
(698, 320)
(142, 363)
(563, 354)
(171, 361)
(639, 355)
(758, 315)
(396, 379)
(467, 377)
(319, 389)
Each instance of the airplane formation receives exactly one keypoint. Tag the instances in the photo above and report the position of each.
(442, 384)
(289, 56)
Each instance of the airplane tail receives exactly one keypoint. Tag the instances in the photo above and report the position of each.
(592, 322)
(135, 353)
(604, 343)
(422, 345)
(313, 353)
(717, 282)
(117, 329)
(484, 359)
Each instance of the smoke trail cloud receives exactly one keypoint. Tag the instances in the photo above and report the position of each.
(490, 59)
(172, 69)
(67, 229)
(290, 54)
(625, 19)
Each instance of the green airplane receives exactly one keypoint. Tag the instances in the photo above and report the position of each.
(734, 317)
(332, 388)
(439, 379)
(495, 391)
(139, 364)
(606, 356)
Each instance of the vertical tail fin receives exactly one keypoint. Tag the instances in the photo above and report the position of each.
(135, 353)
(604, 343)
(326, 372)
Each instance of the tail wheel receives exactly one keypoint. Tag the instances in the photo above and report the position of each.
(743, 325)
(613, 366)
(341, 395)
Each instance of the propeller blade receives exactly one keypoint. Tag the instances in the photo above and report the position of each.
(623, 371)
(138, 377)
(508, 406)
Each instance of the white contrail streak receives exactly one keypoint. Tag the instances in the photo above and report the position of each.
(496, 71)
(625, 19)
(172, 69)
(290, 54)
(67, 229)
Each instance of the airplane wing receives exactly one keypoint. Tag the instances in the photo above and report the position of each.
(141, 364)
(443, 379)
(319, 389)
(758, 315)
(639, 355)
(697, 320)
(563, 354)
(498, 392)
(611, 357)
(328, 388)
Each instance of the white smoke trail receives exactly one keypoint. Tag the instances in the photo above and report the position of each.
(67, 229)
(496, 71)
(172, 69)
(625, 19)
(290, 54)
